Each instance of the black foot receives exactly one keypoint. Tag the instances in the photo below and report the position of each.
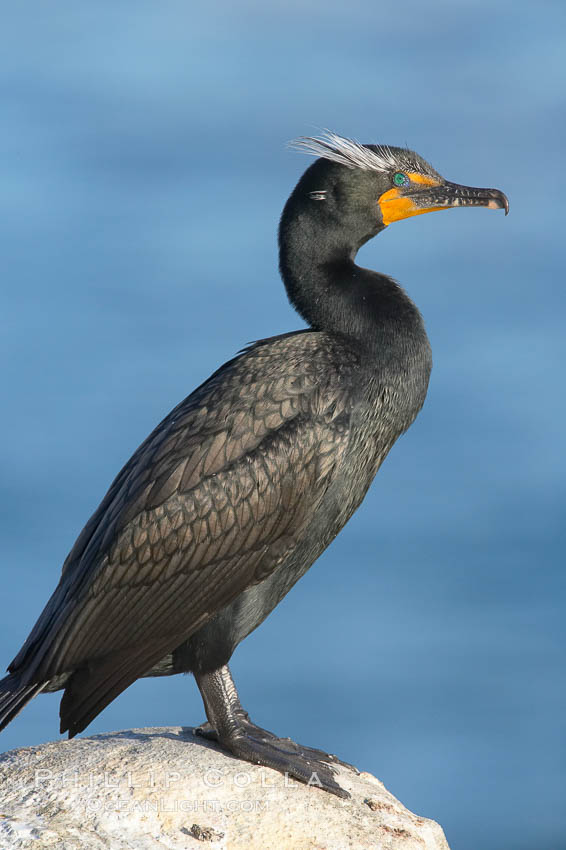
(230, 725)
(258, 746)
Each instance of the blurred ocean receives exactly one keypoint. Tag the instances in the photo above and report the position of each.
(142, 172)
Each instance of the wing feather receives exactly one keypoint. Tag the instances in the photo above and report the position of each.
(215, 498)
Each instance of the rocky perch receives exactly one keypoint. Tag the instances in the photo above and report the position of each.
(164, 788)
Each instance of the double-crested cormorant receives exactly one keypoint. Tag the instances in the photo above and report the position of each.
(246, 482)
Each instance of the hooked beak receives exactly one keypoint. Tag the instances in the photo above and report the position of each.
(428, 195)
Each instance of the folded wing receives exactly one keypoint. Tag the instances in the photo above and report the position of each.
(211, 503)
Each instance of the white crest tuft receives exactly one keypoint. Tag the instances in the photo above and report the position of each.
(354, 155)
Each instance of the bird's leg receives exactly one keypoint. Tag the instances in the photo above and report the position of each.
(230, 725)
(227, 688)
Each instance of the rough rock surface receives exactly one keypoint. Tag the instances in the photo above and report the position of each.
(163, 788)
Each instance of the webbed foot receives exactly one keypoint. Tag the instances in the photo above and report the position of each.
(258, 746)
(232, 728)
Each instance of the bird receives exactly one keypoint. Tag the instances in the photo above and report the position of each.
(245, 483)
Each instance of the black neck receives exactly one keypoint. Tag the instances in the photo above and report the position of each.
(333, 294)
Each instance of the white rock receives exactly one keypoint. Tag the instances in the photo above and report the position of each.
(145, 789)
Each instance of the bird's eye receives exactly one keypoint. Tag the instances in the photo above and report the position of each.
(400, 179)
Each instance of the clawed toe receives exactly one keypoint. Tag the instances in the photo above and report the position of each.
(206, 730)
(313, 767)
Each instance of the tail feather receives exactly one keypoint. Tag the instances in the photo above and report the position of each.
(14, 696)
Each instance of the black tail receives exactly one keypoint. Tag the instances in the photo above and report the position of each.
(14, 696)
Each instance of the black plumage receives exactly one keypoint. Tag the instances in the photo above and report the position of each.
(243, 485)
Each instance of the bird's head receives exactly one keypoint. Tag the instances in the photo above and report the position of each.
(372, 186)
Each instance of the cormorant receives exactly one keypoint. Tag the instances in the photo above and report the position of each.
(246, 482)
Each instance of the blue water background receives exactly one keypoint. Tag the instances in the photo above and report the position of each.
(142, 173)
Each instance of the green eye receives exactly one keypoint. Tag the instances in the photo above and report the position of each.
(400, 179)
